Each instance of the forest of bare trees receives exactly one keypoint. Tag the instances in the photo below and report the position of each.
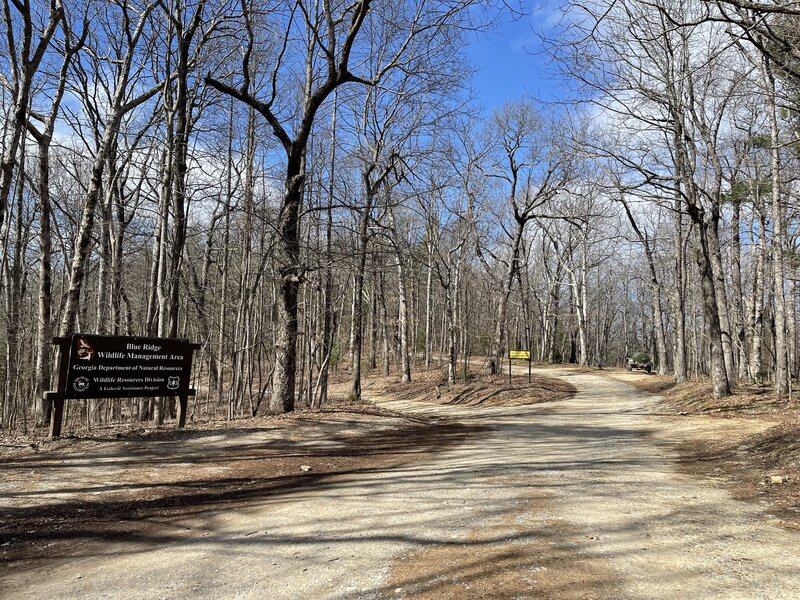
(309, 186)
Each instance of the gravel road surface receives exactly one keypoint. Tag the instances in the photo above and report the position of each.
(579, 498)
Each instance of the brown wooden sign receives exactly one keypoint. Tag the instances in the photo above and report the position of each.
(106, 366)
(102, 366)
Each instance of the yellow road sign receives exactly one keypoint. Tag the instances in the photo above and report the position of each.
(521, 354)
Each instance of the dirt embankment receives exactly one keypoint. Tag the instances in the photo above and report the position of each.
(758, 459)
(477, 390)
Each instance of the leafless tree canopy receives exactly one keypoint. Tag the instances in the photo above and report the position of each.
(310, 189)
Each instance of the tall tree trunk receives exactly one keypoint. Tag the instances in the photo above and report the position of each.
(553, 320)
(328, 326)
(14, 290)
(245, 309)
(223, 292)
(84, 237)
(578, 355)
(658, 324)
(499, 340)
(102, 320)
(551, 324)
(738, 294)
(151, 316)
(677, 296)
(655, 291)
(402, 303)
(429, 306)
(791, 327)
(163, 276)
(351, 342)
(373, 324)
(719, 378)
(450, 317)
(45, 326)
(44, 331)
(291, 273)
(756, 319)
(117, 245)
(26, 60)
(722, 300)
(358, 290)
(384, 321)
(402, 323)
(178, 188)
(778, 218)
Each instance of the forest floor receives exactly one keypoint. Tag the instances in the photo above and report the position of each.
(575, 486)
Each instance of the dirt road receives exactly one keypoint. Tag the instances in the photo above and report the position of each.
(579, 498)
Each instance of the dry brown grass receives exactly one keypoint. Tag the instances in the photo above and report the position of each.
(748, 465)
(478, 390)
(697, 398)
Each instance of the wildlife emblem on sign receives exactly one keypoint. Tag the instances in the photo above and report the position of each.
(85, 349)
(173, 383)
(81, 384)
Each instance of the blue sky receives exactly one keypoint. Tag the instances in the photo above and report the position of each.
(509, 58)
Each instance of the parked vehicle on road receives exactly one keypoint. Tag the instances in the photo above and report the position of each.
(640, 361)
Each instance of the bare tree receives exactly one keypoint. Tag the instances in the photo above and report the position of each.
(27, 40)
(329, 38)
(655, 288)
(665, 95)
(43, 134)
(534, 168)
(128, 90)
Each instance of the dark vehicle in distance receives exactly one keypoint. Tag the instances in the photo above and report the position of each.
(641, 361)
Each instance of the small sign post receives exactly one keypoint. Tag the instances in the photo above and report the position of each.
(107, 366)
(519, 355)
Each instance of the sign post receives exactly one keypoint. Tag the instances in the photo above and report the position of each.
(520, 355)
(56, 399)
(106, 366)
